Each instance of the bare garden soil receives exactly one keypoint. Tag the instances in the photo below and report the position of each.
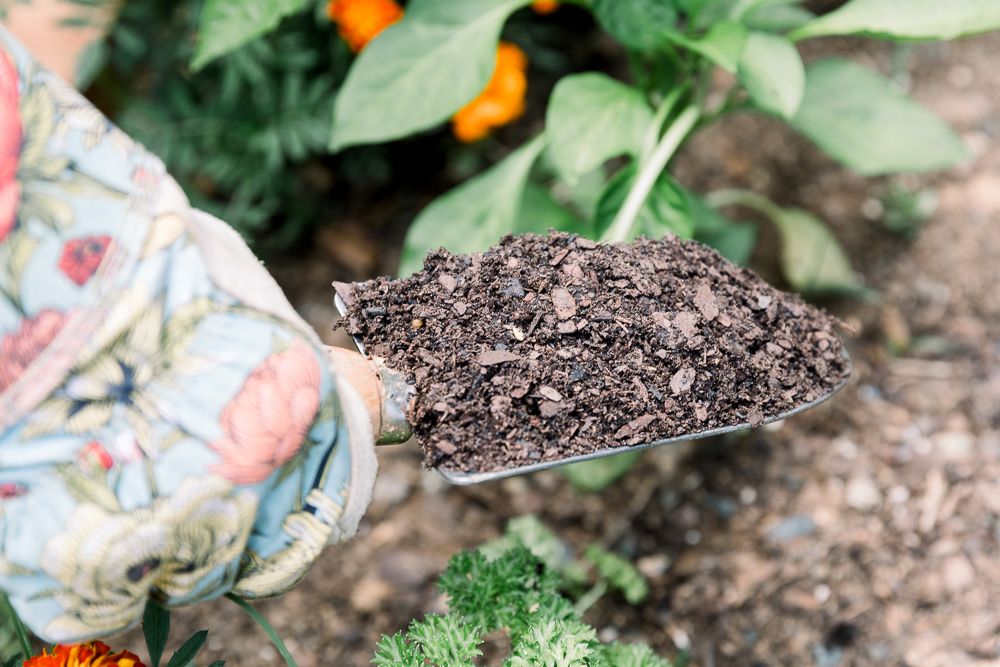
(544, 347)
(864, 532)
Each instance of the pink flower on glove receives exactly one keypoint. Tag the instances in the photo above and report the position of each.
(266, 424)
(10, 145)
(19, 349)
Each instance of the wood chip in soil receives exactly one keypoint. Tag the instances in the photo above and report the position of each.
(546, 347)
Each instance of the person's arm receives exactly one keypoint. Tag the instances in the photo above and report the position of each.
(170, 427)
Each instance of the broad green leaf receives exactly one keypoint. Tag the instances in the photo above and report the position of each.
(859, 118)
(597, 474)
(544, 213)
(184, 656)
(638, 24)
(777, 18)
(155, 629)
(591, 118)
(420, 71)
(907, 19)
(225, 25)
(811, 257)
(722, 44)
(704, 13)
(773, 73)
(476, 214)
(665, 209)
(734, 240)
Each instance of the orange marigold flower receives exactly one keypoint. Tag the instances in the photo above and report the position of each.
(500, 102)
(545, 6)
(91, 654)
(361, 21)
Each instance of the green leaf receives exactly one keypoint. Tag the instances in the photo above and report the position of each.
(703, 14)
(723, 44)
(476, 214)
(597, 474)
(591, 118)
(394, 651)
(542, 212)
(184, 656)
(665, 209)
(773, 73)
(907, 19)
(734, 240)
(632, 655)
(811, 257)
(218, 663)
(445, 640)
(225, 25)
(860, 119)
(155, 629)
(638, 24)
(420, 70)
(528, 532)
(777, 17)
(619, 572)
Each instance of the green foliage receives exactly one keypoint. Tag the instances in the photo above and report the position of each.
(396, 651)
(812, 260)
(505, 587)
(631, 655)
(619, 573)
(255, 114)
(155, 630)
(599, 473)
(859, 118)
(476, 214)
(592, 118)
(9, 646)
(420, 70)
(15, 644)
(239, 133)
(906, 210)
(445, 640)
(555, 643)
(773, 73)
(639, 24)
(722, 44)
(185, 655)
(528, 532)
(226, 25)
(907, 19)
(663, 211)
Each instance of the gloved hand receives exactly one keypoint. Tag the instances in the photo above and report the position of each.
(169, 426)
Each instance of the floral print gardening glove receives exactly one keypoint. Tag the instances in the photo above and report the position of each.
(169, 427)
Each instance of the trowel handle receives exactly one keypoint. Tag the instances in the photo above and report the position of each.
(384, 391)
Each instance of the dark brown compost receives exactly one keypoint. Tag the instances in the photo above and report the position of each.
(547, 347)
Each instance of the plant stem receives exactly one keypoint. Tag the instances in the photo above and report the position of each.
(621, 227)
(267, 627)
(662, 112)
(19, 629)
(588, 599)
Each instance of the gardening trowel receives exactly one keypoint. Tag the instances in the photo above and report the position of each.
(394, 394)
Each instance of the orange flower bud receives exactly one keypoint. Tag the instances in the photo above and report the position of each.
(500, 102)
(545, 6)
(361, 21)
(91, 654)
